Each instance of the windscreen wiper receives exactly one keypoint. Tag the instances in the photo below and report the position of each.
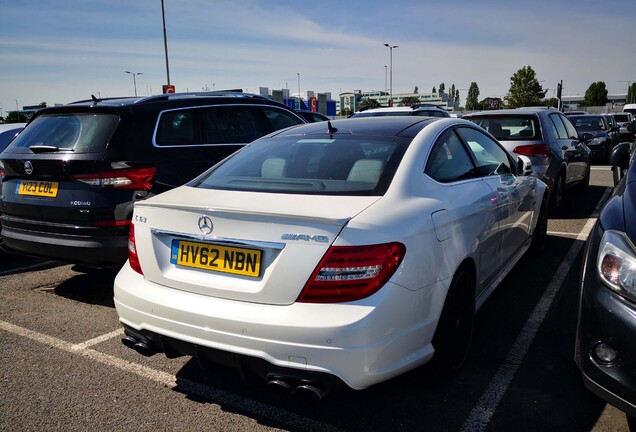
(48, 148)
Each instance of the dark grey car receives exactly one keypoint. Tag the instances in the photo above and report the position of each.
(546, 136)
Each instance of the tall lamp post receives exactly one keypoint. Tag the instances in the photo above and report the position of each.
(390, 47)
(134, 75)
(300, 104)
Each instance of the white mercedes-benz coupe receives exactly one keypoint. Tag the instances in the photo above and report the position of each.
(342, 252)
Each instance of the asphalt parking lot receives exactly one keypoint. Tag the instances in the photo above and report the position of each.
(63, 367)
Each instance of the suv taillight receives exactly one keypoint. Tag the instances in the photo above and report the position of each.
(348, 273)
(133, 258)
(130, 178)
(533, 150)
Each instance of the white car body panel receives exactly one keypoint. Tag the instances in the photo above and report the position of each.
(362, 342)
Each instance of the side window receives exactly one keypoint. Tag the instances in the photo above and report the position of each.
(491, 158)
(562, 132)
(572, 133)
(177, 128)
(448, 160)
(280, 119)
(232, 124)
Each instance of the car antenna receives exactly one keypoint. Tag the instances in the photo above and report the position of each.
(331, 129)
(95, 100)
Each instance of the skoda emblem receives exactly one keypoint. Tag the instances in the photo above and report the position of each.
(205, 225)
(28, 168)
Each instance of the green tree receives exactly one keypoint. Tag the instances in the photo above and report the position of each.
(491, 103)
(457, 95)
(415, 90)
(451, 94)
(346, 112)
(472, 99)
(596, 94)
(14, 117)
(434, 90)
(409, 100)
(525, 89)
(442, 87)
(369, 103)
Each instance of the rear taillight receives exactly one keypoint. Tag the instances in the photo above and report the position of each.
(133, 258)
(130, 178)
(533, 150)
(348, 273)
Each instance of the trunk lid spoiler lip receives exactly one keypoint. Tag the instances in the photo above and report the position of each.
(336, 221)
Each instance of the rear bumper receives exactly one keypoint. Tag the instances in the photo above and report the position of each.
(97, 250)
(358, 344)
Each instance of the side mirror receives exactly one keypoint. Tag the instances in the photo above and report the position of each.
(524, 165)
(586, 136)
(632, 126)
(619, 160)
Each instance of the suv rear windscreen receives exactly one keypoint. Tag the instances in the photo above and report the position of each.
(510, 128)
(77, 132)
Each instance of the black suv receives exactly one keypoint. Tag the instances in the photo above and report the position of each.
(70, 179)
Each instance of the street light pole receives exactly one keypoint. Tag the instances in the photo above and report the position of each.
(299, 100)
(134, 75)
(391, 71)
(165, 42)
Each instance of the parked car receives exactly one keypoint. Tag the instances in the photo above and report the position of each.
(73, 174)
(424, 110)
(630, 108)
(312, 116)
(559, 157)
(613, 127)
(623, 120)
(601, 137)
(333, 254)
(605, 350)
(8, 131)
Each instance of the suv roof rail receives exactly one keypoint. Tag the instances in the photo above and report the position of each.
(97, 100)
(537, 107)
(427, 104)
(238, 93)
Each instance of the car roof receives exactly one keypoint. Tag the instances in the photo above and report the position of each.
(11, 126)
(370, 126)
(515, 111)
(209, 96)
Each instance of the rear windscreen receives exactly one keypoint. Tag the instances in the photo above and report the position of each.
(510, 128)
(77, 132)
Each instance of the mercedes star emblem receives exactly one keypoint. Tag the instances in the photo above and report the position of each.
(205, 225)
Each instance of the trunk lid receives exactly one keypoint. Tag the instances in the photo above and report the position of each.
(258, 247)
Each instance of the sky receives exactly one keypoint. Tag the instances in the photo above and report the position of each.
(59, 51)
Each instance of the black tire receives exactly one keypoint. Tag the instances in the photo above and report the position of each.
(556, 199)
(540, 232)
(455, 327)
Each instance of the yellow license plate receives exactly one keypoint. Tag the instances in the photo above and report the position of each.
(225, 259)
(38, 188)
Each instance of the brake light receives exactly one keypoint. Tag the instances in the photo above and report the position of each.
(113, 223)
(133, 258)
(130, 178)
(348, 273)
(533, 150)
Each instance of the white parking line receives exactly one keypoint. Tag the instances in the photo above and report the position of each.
(258, 409)
(100, 339)
(487, 405)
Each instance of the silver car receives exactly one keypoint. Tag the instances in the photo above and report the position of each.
(559, 156)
